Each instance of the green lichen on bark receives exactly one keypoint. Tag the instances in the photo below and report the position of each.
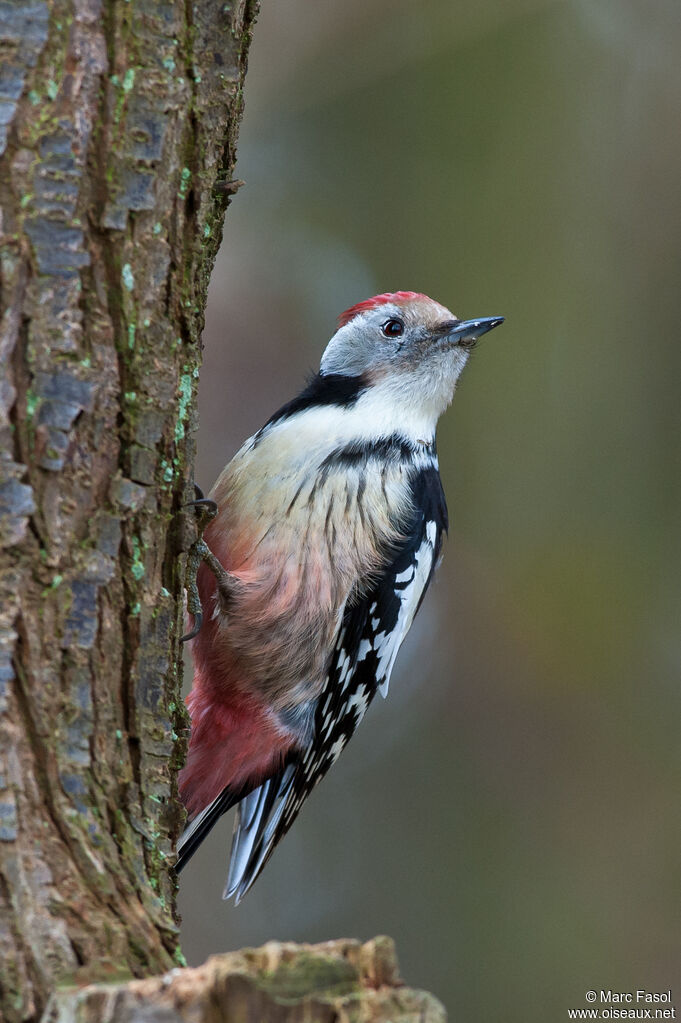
(119, 123)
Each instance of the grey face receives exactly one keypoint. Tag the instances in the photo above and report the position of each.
(404, 338)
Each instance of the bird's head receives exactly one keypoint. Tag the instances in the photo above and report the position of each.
(406, 346)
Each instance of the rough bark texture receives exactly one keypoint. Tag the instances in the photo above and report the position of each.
(337, 982)
(118, 123)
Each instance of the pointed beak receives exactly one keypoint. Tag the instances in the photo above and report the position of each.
(471, 330)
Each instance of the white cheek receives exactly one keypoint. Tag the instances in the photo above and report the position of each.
(460, 358)
(418, 396)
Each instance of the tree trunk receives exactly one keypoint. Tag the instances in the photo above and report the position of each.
(118, 123)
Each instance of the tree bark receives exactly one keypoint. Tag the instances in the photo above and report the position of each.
(118, 123)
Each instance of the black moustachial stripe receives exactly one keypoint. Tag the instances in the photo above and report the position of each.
(327, 389)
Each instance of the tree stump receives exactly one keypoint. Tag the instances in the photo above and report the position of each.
(334, 982)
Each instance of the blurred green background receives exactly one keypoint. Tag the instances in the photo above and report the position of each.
(511, 814)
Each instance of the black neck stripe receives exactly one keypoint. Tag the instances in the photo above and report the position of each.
(330, 389)
(392, 448)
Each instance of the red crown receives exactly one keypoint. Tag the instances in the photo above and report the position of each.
(371, 303)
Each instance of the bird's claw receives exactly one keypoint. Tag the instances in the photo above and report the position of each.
(199, 551)
(208, 508)
(196, 628)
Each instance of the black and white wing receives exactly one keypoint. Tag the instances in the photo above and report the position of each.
(367, 643)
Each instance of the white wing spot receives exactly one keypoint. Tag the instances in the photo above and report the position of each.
(380, 640)
(365, 648)
(336, 750)
(388, 644)
(360, 701)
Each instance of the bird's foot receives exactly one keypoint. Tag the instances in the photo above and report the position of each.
(206, 510)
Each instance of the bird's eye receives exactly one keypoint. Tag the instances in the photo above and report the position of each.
(393, 328)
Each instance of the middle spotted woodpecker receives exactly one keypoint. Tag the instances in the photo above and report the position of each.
(328, 526)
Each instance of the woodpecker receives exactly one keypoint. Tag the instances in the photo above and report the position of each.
(328, 526)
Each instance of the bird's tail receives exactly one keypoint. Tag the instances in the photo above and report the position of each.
(197, 829)
(234, 747)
